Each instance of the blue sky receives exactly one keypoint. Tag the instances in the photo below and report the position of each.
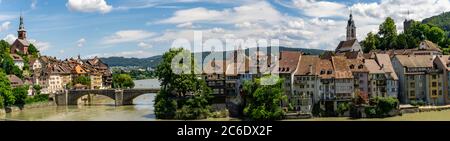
(144, 28)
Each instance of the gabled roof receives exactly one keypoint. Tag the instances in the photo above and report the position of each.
(346, 44)
(325, 69)
(430, 46)
(23, 42)
(357, 65)
(445, 60)
(373, 67)
(415, 61)
(16, 57)
(341, 67)
(385, 61)
(307, 65)
(15, 81)
(288, 61)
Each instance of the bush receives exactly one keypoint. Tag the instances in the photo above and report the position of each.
(219, 114)
(417, 103)
(37, 98)
(1, 101)
(380, 107)
(343, 107)
(371, 111)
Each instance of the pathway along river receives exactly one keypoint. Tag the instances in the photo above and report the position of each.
(143, 111)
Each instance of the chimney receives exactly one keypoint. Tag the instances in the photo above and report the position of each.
(310, 69)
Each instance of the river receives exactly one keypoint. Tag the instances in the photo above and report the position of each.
(104, 110)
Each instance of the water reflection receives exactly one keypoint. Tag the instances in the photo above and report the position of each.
(102, 109)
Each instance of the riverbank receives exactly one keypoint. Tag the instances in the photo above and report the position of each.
(31, 106)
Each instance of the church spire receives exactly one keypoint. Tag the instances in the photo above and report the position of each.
(351, 28)
(21, 26)
(22, 33)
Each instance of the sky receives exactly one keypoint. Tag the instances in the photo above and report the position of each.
(145, 28)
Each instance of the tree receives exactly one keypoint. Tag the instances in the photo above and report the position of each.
(370, 43)
(436, 35)
(264, 101)
(5, 90)
(182, 95)
(32, 50)
(122, 81)
(388, 34)
(20, 94)
(38, 89)
(83, 80)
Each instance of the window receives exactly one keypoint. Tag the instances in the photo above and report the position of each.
(434, 76)
(360, 66)
(352, 66)
(434, 93)
(434, 84)
(412, 93)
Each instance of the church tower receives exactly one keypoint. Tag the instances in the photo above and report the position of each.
(22, 33)
(351, 29)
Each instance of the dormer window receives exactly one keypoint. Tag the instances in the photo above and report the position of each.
(352, 66)
(329, 72)
(287, 69)
(322, 72)
(360, 66)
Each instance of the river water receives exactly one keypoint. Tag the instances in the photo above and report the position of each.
(104, 110)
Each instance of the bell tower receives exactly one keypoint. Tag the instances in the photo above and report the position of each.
(22, 33)
(351, 28)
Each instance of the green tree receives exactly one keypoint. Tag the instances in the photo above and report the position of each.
(5, 90)
(32, 50)
(20, 95)
(263, 102)
(38, 88)
(122, 81)
(388, 34)
(83, 80)
(436, 35)
(182, 95)
(370, 43)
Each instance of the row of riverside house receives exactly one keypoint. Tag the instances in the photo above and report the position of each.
(420, 74)
(55, 75)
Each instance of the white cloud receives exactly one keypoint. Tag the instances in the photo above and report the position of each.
(315, 8)
(127, 36)
(81, 42)
(321, 24)
(144, 45)
(187, 25)
(89, 6)
(10, 38)
(40, 45)
(251, 12)
(5, 26)
(297, 24)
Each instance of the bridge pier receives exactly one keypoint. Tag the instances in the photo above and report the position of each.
(61, 98)
(119, 97)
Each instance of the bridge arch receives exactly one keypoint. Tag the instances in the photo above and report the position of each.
(121, 97)
(74, 95)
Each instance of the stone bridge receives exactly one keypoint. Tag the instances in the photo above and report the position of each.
(121, 97)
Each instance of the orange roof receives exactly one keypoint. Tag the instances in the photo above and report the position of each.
(341, 68)
(288, 61)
